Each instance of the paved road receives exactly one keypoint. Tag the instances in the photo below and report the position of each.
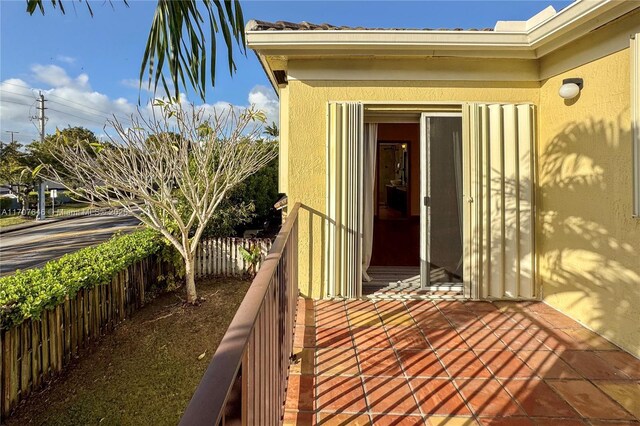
(34, 246)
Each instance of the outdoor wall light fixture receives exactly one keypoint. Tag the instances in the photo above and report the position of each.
(570, 88)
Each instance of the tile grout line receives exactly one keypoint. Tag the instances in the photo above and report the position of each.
(562, 398)
(406, 376)
(557, 352)
(355, 350)
(489, 369)
(404, 373)
(450, 379)
(474, 416)
(316, 410)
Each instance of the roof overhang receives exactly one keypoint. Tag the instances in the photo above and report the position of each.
(533, 42)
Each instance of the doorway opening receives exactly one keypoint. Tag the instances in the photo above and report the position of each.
(399, 246)
(396, 237)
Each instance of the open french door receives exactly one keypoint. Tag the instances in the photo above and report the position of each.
(441, 197)
(495, 201)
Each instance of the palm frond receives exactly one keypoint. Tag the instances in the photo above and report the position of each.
(177, 53)
(32, 5)
(178, 42)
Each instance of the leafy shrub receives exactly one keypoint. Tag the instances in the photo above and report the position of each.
(6, 203)
(26, 294)
(252, 257)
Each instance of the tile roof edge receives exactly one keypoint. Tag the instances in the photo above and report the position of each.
(257, 25)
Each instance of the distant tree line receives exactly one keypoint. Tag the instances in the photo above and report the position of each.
(248, 206)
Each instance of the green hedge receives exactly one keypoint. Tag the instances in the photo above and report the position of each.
(26, 294)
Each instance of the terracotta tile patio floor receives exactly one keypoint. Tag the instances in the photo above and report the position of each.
(423, 362)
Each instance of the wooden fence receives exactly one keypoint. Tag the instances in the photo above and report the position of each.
(38, 349)
(222, 256)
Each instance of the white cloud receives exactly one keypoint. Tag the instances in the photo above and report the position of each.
(66, 59)
(57, 77)
(134, 83)
(70, 101)
(265, 100)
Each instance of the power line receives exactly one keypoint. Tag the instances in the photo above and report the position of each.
(17, 85)
(51, 95)
(14, 102)
(93, 120)
(80, 104)
(18, 94)
(105, 115)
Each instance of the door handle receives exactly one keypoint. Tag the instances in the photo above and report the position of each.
(426, 201)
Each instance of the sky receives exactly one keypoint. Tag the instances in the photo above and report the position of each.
(87, 67)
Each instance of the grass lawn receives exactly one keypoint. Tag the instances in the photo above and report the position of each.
(15, 219)
(146, 371)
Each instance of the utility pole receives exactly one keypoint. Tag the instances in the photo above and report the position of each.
(12, 133)
(41, 120)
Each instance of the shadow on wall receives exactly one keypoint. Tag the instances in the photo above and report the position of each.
(518, 278)
(589, 258)
(316, 224)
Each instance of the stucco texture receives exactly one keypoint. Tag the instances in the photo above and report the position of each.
(306, 145)
(588, 245)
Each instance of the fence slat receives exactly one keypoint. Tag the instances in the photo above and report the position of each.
(59, 337)
(10, 366)
(53, 346)
(46, 360)
(25, 358)
(67, 330)
(222, 256)
(36, 352)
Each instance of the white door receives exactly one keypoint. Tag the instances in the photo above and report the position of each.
(441, 197)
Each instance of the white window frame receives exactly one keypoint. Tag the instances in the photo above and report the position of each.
(635, 120)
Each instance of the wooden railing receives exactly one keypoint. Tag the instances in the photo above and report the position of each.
(246, 380)
(222, 256)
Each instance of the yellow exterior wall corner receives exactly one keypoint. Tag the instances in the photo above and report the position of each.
(588, 244)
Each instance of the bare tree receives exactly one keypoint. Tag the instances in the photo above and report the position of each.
(171, 171)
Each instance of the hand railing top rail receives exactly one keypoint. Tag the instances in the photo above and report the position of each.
(208, 402)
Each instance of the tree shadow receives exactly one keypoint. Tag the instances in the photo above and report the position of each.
(588, 246)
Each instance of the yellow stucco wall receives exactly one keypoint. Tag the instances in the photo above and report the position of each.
(588, 243)
(306, 121)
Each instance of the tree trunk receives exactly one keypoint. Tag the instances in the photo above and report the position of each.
(190, 279)
(24, 204)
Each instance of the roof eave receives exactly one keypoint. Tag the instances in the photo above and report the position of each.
(573, 22)
(267, 69)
